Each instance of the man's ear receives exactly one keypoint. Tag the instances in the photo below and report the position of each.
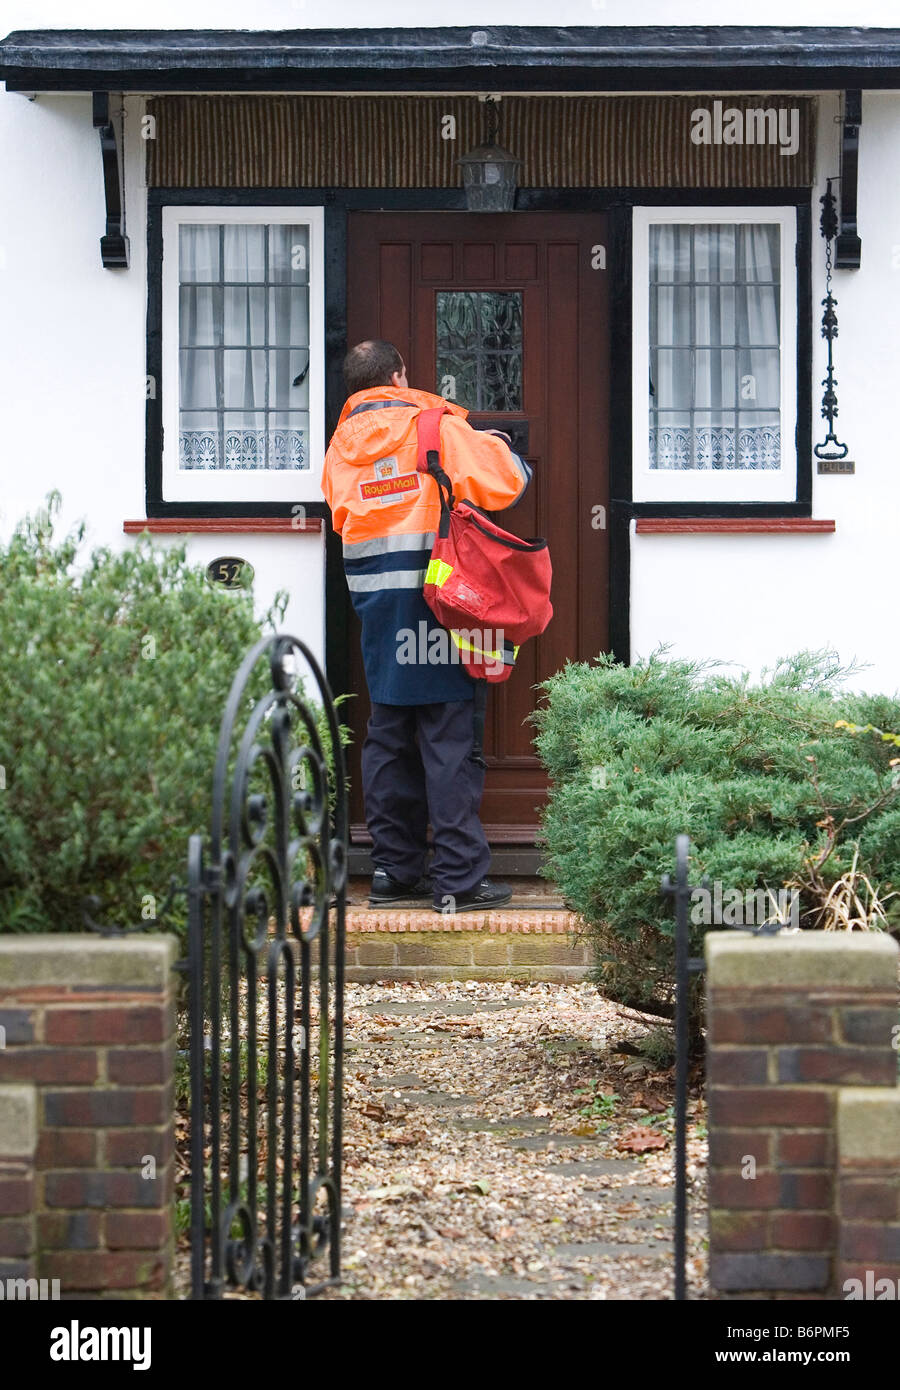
(397, 378)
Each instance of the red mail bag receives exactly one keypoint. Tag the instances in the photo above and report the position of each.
(490, 589)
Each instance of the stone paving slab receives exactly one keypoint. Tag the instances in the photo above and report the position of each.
(395, 1083)
(515, 1122)
(438, 1098)
(592, 1249)
(650, 1196)
(551, 1141)
(600, 1167)
(493, 1285)
(453, 1008)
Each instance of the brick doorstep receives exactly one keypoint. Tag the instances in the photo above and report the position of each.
(418, 943)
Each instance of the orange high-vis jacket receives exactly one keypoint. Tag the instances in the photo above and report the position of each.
(370, 480)
(387, 515)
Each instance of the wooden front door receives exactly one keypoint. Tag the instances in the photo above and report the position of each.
(506, 314)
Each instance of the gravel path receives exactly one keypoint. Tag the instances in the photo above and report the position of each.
(494, 1138)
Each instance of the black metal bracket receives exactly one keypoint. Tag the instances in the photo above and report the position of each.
(848, 246)
(114, 248)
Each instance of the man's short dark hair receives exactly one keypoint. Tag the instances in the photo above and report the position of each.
(371, 363)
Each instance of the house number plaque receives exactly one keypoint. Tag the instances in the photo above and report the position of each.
(230, 571)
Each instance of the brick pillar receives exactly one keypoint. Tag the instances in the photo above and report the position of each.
(18, 1140)
(790, 1020)
(868, 1134)
(90, 1023)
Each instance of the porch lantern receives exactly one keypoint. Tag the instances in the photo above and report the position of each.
(489, 171)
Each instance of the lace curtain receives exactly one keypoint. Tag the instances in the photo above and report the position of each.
(715, 363)
(244, 342)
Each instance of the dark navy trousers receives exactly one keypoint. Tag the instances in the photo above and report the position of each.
(417, 767)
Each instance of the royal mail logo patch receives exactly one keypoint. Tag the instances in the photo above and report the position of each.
(389, 484)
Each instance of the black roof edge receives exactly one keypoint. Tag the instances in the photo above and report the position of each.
(502, 57)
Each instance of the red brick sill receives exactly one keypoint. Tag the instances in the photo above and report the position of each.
(204, 525)
(750, 525)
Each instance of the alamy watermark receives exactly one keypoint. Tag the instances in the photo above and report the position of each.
(433, 646)
(24, 1290)
(757, 125)
(878, 1290)
(733, 907)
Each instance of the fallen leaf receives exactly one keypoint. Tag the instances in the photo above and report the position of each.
(641, 1139)
(406, 1137)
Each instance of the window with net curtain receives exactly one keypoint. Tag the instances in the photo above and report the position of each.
(244, 351)
(715, 346)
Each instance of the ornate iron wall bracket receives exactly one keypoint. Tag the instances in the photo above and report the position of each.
(848, 247)
(114, 248)
(831, 449)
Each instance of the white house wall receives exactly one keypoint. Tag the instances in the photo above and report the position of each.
(749, 599)
(73, 352)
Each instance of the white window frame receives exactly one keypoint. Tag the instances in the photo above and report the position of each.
(242, 485)
(713, 485)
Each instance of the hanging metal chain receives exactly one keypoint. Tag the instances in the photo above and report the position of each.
(829, 227)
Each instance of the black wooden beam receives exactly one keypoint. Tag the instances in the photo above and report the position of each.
(114, 245)
(496, 57)
(847, 245)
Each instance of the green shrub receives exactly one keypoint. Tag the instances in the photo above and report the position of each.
(770, 791)
(115, 672)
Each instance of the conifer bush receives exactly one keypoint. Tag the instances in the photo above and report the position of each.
(779, 783)
(114, 674)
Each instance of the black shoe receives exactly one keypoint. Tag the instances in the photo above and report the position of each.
(482, 897)
(386, 889)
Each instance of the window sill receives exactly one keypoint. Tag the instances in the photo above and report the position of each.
(749, 525)
(203, 525)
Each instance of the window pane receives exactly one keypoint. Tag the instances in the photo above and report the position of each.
(714, 385)
(671, 374)
(288, 439)
(245, 317)
(289, 317)
(715, 354)
(245, 440)
(244, 253)
(759, 440)
(670, 253)
(284, 369)
(479, 348)
(760, 379)
(670, 441)
(200, 316)
(244, 380)
(457, 378)
(198, 443)
(198, 379)
(198, 253)
(289, 255)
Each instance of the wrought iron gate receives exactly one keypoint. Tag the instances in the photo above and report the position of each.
(266, 1044)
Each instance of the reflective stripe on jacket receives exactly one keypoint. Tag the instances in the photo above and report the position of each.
(387, 514)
